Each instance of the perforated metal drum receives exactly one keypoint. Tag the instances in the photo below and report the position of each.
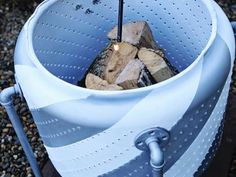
(91, 133)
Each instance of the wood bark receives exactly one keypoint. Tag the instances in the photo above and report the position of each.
(101, 61)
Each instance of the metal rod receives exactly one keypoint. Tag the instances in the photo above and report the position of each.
(120, 20)
(6, 100)
(156, 157)
(151, 140)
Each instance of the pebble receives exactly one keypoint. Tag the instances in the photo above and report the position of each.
(23, 110)
(7, 175)
(9, 125)
(24, 118)
(9, 138)
(5, 130)
(5, 165)
(33, 139)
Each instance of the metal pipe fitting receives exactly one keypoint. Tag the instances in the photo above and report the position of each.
(156, 154)
(151, 140)
(6, 96)
(156, 157)
(6, 100)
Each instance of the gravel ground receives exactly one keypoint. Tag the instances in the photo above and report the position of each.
(12, 160)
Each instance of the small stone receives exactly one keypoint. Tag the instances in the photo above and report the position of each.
(28, 170)
(9, 73)
(9, 125)
(9, 138)
(24, 118)
(5, 165)
(23, 110)
(5, 130)
(3, 147)
(33, 139)
(32, 126)
(15, 157)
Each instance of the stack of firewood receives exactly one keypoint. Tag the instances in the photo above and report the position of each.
(135, 62)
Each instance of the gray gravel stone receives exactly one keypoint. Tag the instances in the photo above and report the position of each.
(12, 159)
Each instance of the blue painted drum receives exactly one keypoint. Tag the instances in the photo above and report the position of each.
(91, 133)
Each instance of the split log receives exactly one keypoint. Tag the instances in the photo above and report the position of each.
(134, 75)
(118, 61)
(156, 64)
(101, 61)
(116, 68)
(98, 65)
(94, 82)
(135, 33)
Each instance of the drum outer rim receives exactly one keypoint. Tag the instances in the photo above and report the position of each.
(32, 21)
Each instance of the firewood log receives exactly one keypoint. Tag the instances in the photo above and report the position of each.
(135, 33)
(101, 61)
(118, 61)
(134, 75)
(94, 82)
(156, 64)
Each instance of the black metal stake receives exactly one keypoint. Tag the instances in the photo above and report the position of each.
(120, 20)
